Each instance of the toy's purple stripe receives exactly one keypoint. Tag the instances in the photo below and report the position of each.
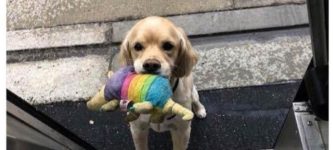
(114, 84)
(126, 84)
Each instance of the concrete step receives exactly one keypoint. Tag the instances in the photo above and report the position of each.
(252, 58)
(74, 35)
(75, 78)
(230, 21)
(58, 54)
(225, 61)
(193, 24)
(22, 14)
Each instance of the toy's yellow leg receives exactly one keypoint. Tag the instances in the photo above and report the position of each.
(110, 73)
(142, 107)
(110, 106)
(175, 108)
(97, 101)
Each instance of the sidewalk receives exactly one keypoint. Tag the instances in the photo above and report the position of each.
(252, 55)
(229, 59)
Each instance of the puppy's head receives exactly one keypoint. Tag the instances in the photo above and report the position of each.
(155, 45)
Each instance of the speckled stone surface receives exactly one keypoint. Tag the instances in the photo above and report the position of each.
(64, 36)
(252, 58)
(59, 52)
(41, 13)
(229, 21)
(194, 24)
(238, 118)
(225, 61)
(256, 3)
(74, 78)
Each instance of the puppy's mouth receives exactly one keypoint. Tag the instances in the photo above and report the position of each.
(151, 72)
(158, 72)
(162, 70)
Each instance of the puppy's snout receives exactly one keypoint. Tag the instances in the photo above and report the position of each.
(151, 65)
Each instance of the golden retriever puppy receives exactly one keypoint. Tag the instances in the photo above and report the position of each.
(155, 45)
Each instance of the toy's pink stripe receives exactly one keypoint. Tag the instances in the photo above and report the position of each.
(126, 84)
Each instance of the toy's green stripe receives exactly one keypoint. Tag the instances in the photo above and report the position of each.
(141, 80)
(146, 87)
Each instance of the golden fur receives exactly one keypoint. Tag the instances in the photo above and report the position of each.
(152, 33)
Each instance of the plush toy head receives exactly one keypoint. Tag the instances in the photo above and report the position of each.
(140, 93)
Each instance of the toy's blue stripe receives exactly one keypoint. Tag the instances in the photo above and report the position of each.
(159, 92)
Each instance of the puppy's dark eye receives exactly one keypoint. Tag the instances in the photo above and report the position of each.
(167, 46)
(138, 47)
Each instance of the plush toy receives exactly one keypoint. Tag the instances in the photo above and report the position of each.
(138, 93)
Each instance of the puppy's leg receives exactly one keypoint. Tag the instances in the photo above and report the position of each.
(181, 138)
(139, 132)
(199, 109)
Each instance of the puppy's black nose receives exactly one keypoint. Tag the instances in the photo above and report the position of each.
(151, 65)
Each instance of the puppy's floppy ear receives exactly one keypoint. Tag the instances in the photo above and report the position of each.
(186, 58)
(125, 53)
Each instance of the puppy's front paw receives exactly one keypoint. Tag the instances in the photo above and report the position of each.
(201, 112)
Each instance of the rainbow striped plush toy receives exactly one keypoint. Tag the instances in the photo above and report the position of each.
(138, 93)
